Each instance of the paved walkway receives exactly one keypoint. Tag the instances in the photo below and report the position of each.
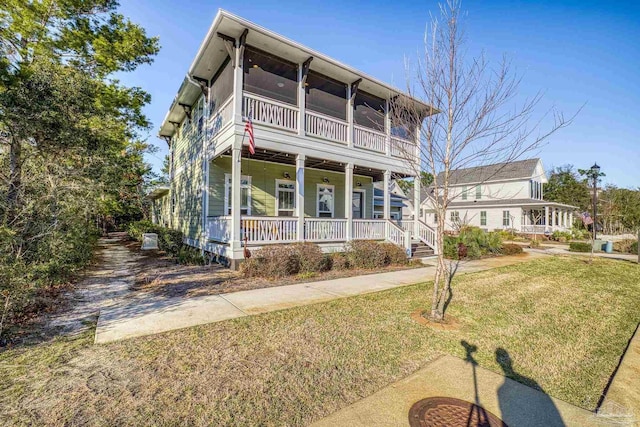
(145, 314)
(516, 404)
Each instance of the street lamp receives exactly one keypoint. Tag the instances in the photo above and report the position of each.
(594, 173)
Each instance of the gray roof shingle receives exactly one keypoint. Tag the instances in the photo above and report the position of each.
(496, 172)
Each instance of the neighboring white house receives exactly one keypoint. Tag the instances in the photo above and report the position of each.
(400, 209)
(502, 196)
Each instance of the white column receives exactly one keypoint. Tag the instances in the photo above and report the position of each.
(546, 218)
(564, 218)
(300, 194)
(301, 103)
(570, 219)
(237, 87)
(348, 198)
(349, 117)
(387, 194)
(236, 177)
(417, 185)
(387, 129)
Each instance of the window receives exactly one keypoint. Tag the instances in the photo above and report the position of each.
(245, 194)
(435, 217)
(506, 219)
(483, 217)
(478, 192)
(358, 204)
(285, 197)
(455, 216)
(535, 189)
(270, 76)
(325, 207)
(368, 111)
(464, 192)
(325, 95)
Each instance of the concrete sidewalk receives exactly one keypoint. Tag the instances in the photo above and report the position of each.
(516, 404)
(146, 314)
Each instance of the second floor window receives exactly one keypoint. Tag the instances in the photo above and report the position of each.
(464, 193)
(483, 217)
(478, 192)
(270, 76)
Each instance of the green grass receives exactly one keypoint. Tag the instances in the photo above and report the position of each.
(564, 322)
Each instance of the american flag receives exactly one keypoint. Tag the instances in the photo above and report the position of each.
(248, 128)
(586, 218)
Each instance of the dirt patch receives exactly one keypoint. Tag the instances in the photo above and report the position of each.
(450, 323)
(160, 275)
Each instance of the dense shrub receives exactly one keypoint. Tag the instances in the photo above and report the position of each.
(170, 241)
(534, 244)
(272, 261)
(339, 261)
(561, 236)
(366, 254)
(625, 246)
(477, 241)
(511, 249)
(579, 247)
(394, 254)
(311, 258)
(580, 233)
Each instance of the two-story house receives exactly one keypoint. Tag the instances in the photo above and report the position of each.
(502, 196)
(323, 136)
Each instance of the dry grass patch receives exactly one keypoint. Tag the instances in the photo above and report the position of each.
(563, 322)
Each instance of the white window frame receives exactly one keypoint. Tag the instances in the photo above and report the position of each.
(454, 216)
(483, 217)
(364, 202)
(506, 216)
(333, 205)
(227, 185)
(464, 193)
(295, 192)
(479, 192)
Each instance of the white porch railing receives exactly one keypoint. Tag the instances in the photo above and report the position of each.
(399, 236)
(427, 235)
(326, 127)
(405, 224)
(402, 148)
(537, 229)
(270, 112)
(219, 228)
(325, 229)
(265, 229)
(369, 139)
(220, 118)
(369, 229)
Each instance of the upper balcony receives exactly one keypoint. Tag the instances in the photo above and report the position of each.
(290, 90)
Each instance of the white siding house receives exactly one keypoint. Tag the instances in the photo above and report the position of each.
(502, 196)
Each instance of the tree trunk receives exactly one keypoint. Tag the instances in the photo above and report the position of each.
(15, 179)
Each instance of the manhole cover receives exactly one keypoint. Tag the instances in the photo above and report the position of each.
(450, 412)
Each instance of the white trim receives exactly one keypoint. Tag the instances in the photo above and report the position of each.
(333, 205)
(227, 186)
(364, 202)
(295, 192)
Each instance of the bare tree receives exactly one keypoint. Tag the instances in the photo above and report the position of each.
(472, 121)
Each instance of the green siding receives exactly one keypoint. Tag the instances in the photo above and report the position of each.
(263, 181)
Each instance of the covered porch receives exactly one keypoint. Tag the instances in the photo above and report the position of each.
(277, 197)
(547, 218)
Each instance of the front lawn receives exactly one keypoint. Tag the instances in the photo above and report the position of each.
(564, 322)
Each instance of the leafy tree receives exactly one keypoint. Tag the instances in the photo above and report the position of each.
(567, 186)
(407, 186)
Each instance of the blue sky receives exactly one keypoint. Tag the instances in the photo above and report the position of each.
(577, 52)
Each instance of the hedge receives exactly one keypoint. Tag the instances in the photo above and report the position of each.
(579, 247)
(169, 241)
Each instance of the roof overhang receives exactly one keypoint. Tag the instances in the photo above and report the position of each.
(158, 192)
(212, 54)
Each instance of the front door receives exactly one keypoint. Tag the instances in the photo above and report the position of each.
(358, 205)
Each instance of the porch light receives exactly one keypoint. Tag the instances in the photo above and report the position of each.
(256, 66)
(280, 84)
(595, 169)
(358, 184)
(325, 180)
(286, 175)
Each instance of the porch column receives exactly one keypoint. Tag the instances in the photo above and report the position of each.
(348, 198)
(387, 129)
(570, 219)
(301, 101)
(546, 218)
(349, 117)
(564, 218)
(300, 158)
(236, 177)
(387, 195)
(417, 186)
(237, 85)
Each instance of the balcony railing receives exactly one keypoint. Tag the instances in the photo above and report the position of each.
(270, 112)
(326, 127)
(220, 118)
(369, 139)
(265, 229)
(402, 148)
